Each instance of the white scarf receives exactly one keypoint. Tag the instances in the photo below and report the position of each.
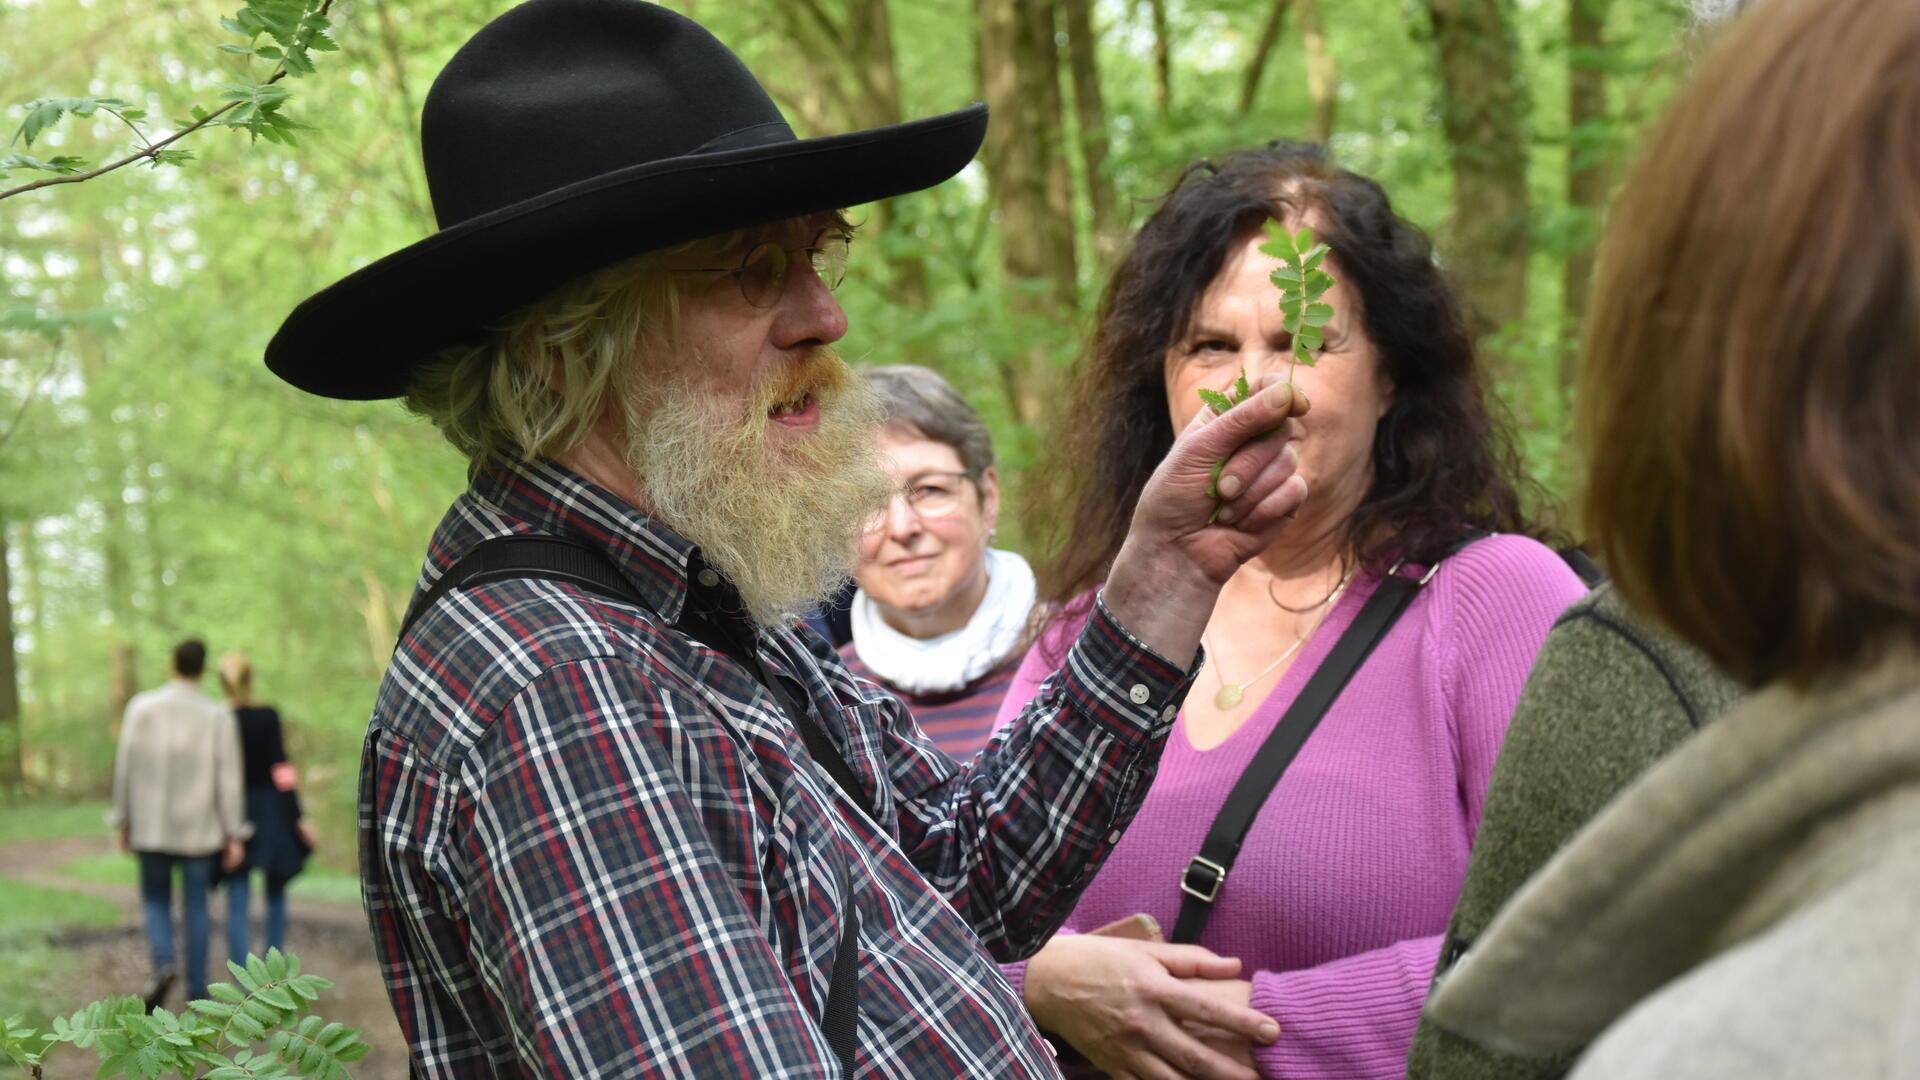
(950, 661)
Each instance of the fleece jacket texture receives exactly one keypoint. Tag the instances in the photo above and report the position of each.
(1608, 696)
(1748, 908)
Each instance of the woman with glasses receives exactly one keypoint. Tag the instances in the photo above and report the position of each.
(940, 617)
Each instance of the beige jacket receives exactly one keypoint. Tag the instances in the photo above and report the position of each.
(177, 781)
(1749, 909)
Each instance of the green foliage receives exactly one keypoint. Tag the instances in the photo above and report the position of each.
(164, 484)
(258, 1026)
(58, 164)
(28, 910)
(1302, 283)
(51, 819)
(293, 30)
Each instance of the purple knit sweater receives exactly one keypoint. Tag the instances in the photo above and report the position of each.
(1340, 896)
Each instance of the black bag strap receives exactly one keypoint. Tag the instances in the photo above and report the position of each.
(1582, 564)
(1206, 872)
(558, 559)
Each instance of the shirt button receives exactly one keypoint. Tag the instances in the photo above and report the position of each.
(1169, 712)
(1139, 694)
(709, 578)
(1113, 837)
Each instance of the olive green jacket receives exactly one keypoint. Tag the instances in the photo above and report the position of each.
(1608, 697)
(1749, 908)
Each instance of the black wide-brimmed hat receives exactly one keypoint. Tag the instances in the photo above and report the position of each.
(569, 135)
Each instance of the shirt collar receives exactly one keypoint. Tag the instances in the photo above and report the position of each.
(549, 498)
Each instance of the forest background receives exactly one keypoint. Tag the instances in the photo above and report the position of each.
(156, 482)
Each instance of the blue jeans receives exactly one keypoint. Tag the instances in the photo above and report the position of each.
(239, 896)
(156, 903)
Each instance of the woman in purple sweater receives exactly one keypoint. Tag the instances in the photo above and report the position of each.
(1339, 896)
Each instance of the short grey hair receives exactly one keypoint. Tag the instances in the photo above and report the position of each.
(919, 400)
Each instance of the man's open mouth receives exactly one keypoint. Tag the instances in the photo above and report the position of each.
(792, 407)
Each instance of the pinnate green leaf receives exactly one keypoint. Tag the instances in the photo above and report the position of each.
(1216, 400)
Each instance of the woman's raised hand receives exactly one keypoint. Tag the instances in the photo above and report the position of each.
(1179, 552)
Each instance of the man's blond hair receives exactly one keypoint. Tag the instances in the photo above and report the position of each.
(536, 388)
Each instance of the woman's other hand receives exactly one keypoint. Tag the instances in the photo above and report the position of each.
(1126, 1005)
(306, 834)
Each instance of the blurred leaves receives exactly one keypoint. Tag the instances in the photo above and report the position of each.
(217, 1038)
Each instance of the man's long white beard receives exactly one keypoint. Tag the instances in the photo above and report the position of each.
(782, 522)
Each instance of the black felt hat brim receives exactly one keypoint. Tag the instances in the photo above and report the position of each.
(361, 337)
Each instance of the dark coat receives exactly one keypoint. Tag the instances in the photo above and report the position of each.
(1608, 696)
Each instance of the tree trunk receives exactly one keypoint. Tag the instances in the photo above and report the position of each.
(852, 64)
(12, 744)
(1323, 85)
(1483, 113)
(1090, 114)
(1262, 52)
(1027, 174)
(1162, 55)
(33, 681)
(1587, 170)
(115, 548)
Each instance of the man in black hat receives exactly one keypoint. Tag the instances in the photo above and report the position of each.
(619, 814)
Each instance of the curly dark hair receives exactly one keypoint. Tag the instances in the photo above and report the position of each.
(1444, 466)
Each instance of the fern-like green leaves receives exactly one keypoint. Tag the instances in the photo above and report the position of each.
(217, 1038)
(1302, 283)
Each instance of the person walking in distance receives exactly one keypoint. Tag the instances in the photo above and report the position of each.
(282, 839)
(178, 805)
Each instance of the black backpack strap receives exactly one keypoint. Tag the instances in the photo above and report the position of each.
(547, 557)
(558, 559)
(1206, 872)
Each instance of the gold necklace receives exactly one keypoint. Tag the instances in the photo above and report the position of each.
(1230, 695)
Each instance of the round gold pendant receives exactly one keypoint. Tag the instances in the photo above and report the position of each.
(1227, 697)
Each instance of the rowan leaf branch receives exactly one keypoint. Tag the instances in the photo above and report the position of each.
(218, 1038)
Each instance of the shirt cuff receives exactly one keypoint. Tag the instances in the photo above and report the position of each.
(1117, 679)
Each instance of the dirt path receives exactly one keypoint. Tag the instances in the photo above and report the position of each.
(331, 939)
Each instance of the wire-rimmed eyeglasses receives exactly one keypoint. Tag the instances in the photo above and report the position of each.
(763, 271)
(928, 495)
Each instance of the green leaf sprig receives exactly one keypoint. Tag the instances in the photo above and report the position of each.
(1302, 283)
(278, 34)
(214, 1039)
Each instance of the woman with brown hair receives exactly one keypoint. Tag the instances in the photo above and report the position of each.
(1747, 909)
(1333, 898)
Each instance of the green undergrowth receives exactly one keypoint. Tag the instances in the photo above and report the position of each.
(314, 883)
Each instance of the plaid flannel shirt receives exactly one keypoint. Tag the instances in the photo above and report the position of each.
(592, 846)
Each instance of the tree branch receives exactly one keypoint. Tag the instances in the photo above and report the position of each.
(33, 394)
(153, 150)
(150, 151)
(1257, 64)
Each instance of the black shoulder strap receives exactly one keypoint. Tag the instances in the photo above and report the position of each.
(1206, 872)
(1582, 564)
(557, 559)
(527, 557)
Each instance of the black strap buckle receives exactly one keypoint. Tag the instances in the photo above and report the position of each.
(1208, 886)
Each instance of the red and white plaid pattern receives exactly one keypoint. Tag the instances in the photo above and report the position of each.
(593, 847)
